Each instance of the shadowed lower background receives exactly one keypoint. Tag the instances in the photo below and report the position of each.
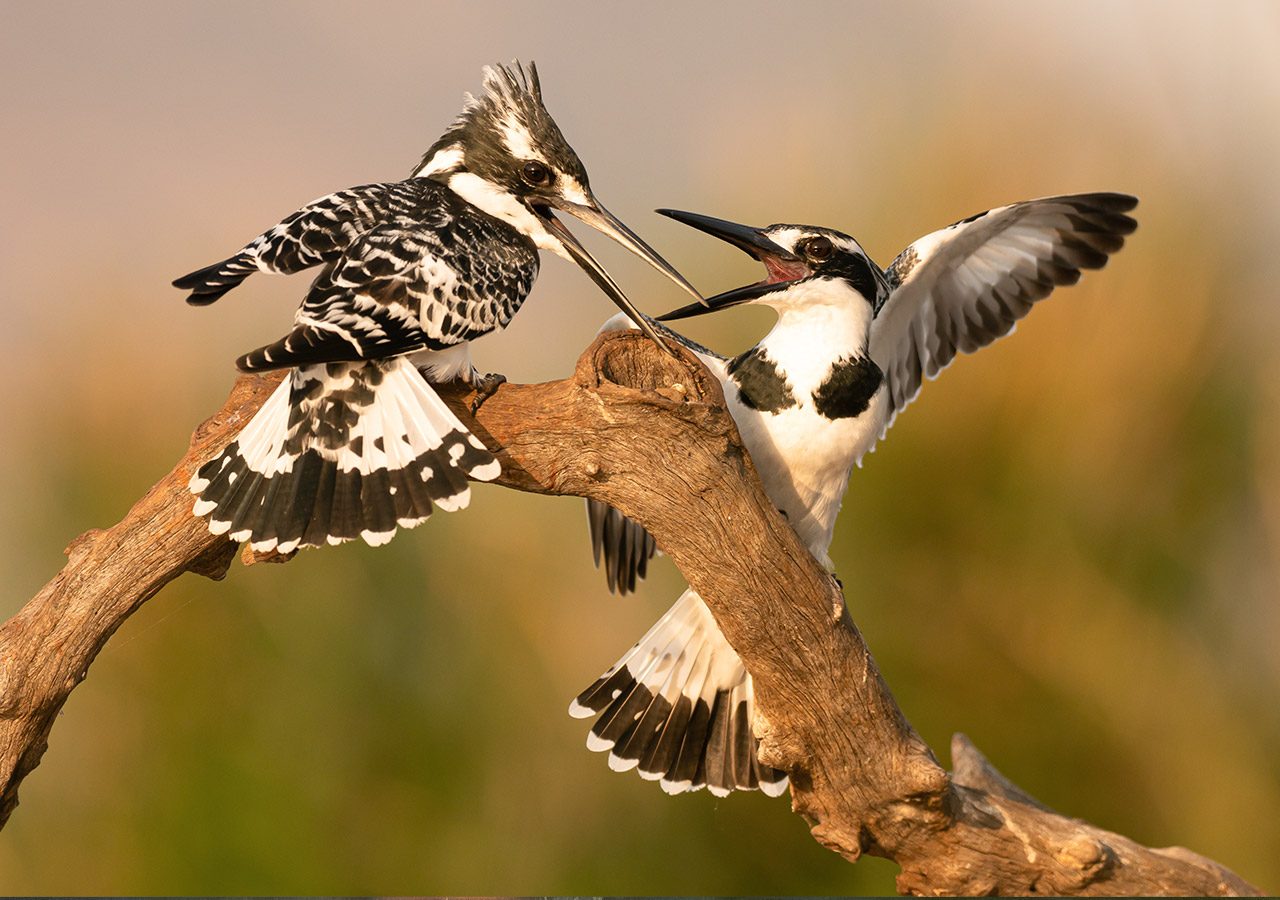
(1069, 546)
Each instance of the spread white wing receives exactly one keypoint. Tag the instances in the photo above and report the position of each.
(965, 286)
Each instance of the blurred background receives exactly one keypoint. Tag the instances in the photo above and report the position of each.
(1068, 548)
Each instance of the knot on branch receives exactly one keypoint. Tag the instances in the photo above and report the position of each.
(629, 360)
(81, 545)
(779, 748)
(1086, 857)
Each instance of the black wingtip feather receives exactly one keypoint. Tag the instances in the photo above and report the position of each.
(612, 559)
(744, 747)
(619, 721)
(1113, 201)
(420, 495)
(205, 298)
(211, 282)
(192, 280)
(626, 564)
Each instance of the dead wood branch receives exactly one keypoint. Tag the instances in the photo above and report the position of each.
(650, 435)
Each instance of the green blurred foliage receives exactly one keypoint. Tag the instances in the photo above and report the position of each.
(1069, 547)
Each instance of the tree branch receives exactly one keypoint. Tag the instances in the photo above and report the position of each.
(650, 435)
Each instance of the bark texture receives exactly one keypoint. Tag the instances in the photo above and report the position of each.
(650, 435)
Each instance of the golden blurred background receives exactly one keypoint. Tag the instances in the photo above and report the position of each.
(1069, 547)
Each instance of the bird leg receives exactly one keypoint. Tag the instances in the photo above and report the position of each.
(485, 387)
(440, 367)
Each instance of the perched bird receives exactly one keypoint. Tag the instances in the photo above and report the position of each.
(849, 350)
(355, 443)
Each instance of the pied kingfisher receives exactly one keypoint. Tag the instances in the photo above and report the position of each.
(848, 353)
(354, 442)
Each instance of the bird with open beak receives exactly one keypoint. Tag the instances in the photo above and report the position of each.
(849, 351)
(355, 443)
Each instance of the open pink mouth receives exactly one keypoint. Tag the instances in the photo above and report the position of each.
(781, 270)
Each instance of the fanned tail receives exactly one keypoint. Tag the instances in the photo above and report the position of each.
(678, 708)
(338, 452)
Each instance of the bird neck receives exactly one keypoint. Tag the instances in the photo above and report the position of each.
(817, 326)
(443, 158)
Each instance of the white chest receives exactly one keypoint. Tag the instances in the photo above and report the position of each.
(803, 455)
(804, 460)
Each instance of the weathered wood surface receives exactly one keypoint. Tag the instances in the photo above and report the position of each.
(650, 435)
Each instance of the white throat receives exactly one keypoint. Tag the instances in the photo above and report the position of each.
(504, 205)
(819, 322)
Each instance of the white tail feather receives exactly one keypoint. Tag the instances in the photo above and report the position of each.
(358, 426)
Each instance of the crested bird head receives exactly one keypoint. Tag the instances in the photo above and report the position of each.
(806, 266)
(506, 155)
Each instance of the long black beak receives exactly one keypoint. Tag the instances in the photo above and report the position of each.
(751, 241)
(599, 218)
(605, 222)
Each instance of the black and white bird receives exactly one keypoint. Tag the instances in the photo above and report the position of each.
(850, 349)
(355, 443)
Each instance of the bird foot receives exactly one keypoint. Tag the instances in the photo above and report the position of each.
(485, 387)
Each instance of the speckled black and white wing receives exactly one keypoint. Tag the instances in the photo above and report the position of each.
(678, 708)
(318, 233)
(966, 285)
(427, 281)
(620, 544)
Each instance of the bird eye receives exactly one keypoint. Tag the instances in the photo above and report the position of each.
(818, 249)
(536, 174)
